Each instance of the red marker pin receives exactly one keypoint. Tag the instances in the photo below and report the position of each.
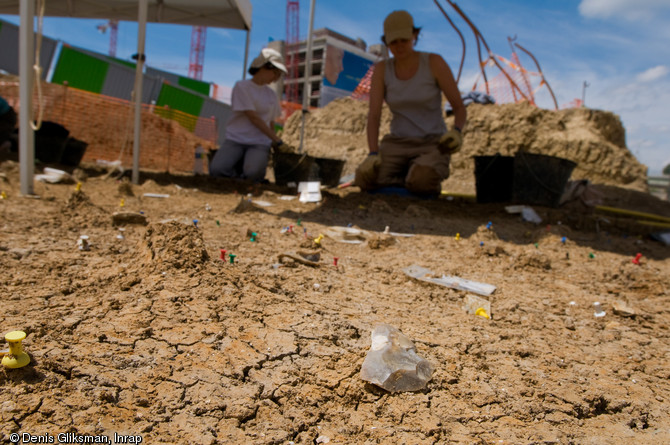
(335, 261)
(636, 260)
(223, 254)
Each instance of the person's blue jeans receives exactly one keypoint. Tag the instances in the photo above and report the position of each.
(235, 160)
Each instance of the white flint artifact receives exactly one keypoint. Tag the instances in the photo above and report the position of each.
(392, 362)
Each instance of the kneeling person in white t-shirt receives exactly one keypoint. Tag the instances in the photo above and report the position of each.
(249, 133)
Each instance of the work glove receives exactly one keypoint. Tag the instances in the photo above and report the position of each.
(281, 147)
(366, 173)
(450, 142)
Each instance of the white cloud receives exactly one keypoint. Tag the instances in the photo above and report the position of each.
(652, 74)
(637, 10)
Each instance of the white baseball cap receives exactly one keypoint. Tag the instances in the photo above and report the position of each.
(269, 55)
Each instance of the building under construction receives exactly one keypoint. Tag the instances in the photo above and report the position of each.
(338, 64)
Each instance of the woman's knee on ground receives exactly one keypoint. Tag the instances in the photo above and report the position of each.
(423, 179)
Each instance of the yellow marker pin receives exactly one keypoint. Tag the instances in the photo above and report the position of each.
(3, 195)
(77, 187)
(457, 237)
(317, 241)
(16, 358)
(122, 203)
(482, 313)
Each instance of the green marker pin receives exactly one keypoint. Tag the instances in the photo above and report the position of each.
(217, 223)
(232, 258)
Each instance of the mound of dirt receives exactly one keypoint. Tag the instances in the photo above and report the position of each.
(594, 139)
(173, 244)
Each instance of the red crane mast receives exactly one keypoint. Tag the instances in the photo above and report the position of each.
(197, 55)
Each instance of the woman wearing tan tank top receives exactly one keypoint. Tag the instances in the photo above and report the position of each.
(416, 152)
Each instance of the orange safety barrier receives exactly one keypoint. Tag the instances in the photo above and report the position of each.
(168, 138)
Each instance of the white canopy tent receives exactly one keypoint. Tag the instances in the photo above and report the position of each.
(235, 14)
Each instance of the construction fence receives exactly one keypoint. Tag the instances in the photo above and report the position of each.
(90, 94)
(168, 138)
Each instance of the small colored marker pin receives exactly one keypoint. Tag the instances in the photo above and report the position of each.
(218, 224)
(591, 255)
(481, 243)
(457, 237)
(223, 255)
(489, 225)
(3, 195)
(299, 222)
(122, 203)
(253, 237)
(290, 228)
(77, 187)
(304, 231)
(548, 227)
(482, 313)
(16, 358)
(563, 240)
(232, 258)
(195, 223)
(636, 260)
(317, 241)
(537, 246)
(335, 261)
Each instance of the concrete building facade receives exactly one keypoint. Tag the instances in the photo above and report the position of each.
(338, 65)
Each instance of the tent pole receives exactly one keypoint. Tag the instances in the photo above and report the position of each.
(141, 38)
(26, 133)
(246, 56)
(307, 87)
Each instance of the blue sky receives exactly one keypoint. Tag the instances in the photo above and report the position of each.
(620, 47)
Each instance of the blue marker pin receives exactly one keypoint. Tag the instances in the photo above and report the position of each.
(489, 225)
(195, 223)
(481, 243)
(563, 240)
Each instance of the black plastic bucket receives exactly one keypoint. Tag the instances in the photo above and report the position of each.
(494, 176)
(292, 167)
(330, 171)
(540, 179)
(73, 152)
(50, 142)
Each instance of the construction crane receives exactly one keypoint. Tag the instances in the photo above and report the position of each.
(113, 26)
(292, 50)
(197, 56)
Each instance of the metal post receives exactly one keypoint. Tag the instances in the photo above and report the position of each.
(246, 56)
(141, 38)
(26, 133)
(586, 84)
(307, 87)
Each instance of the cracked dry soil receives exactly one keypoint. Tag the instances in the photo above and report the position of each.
(154, 335)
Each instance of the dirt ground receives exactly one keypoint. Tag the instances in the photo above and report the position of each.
(154, 335)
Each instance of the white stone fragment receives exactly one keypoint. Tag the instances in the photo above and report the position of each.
(392, 362)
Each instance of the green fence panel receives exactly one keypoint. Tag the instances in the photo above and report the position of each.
(195, 85)
(80, 70)
(178, 99)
